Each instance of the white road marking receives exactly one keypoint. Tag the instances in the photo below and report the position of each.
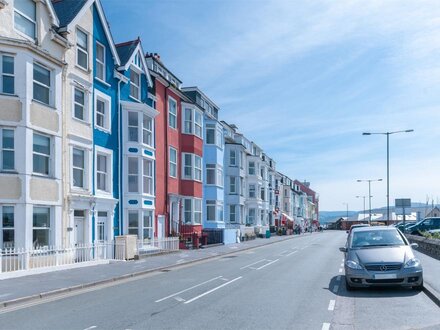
(335, 288)
(90, 328)
(338, 278)
(326, 326)
(270, 263)
(331, 305)
(212, 290)
(224, 279)
(304, 247)
(282, 253)
(179, 299)
(342, 265)
(340, 270)
(195, 286)
(233, 247)
(253, 263)
(343, 259)
(180, 261)
(291, 253)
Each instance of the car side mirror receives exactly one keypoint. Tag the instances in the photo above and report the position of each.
(343, 249)
(414, 245)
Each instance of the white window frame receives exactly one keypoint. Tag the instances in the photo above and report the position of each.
(170, 114)
(3, 149)
(84, 106)
(189, 125)
(50, 156)
(2, 228)
(254, 168)
(173, 165)
(211, 168)
(233, 183)
(210, 127)
(195, 203)
(211, 203)
(129, 212)
(49, 228)
(100, 63)
(254, 217)
(3, 74)
(132, 127)
(196, 172)
(109, 174)
(233, 152)
(132, 84)
(135, 174)
(254, 189)
(107, 111)
(84, 169)
(147, 131)
(81, 49)
(34, 22)
(234, 208)
(147, 178)
(49, 87)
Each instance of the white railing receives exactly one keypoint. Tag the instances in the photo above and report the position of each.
(16, 259)
(157, 245)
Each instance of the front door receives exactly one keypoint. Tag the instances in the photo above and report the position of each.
(160, 226)
(78, 230)
(101, 235)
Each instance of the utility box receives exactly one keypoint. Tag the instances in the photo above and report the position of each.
(129, 244)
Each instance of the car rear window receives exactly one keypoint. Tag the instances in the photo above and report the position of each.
(370, 238)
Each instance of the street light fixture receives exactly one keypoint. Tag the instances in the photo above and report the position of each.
(364, 203)
(388, 162)
(369, 194)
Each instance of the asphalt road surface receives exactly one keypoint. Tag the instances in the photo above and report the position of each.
(294, 284)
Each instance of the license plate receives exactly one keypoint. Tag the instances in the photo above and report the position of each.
(384, 276)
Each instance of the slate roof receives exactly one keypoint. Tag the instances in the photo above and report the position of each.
(126, 49)
(67, 10)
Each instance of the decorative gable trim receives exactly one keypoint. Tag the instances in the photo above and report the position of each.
(139, 50)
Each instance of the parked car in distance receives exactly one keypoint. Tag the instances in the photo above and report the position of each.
(402, 226)
(423, 225)
(360, 225)
(381, 256)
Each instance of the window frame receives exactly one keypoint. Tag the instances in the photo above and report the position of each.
(79, 48)
(84, 169)
(136, 174)
(100, 63)
(8, 228)
(254, 167)
(189, 125)
(148, 177)
(196, 209)
(210, 127)
(233, 207)
(50, 156)
(171, 164)
(48, 229)
(84, 106)
(171, 114)
(232, 183)
(148, 130)
(254, 190)
(196, 172)
(108, 154)
(233, 152)
(3, 149)
(132, 127)
(106, 100)
(41, 84)
(4, 74)
(137, 72)
(33, 21)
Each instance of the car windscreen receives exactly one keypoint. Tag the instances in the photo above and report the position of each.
(371, 238)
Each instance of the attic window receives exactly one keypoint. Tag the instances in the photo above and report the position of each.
(25, 17)
(82, 53)
(135, 88)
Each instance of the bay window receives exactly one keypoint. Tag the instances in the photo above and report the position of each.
(232, 185)
(133, 222)
(210, 134)
(147, 177)
(251, 216)
(147, 130)
(232, 158)
(192, 122)
(7, 81)
(210, 210)
(7, 149)
(252, 193)
(133, 127)
(140, 223)
(25, 17)
(210, 173)
(192, 210)
(192, 167)
(232, 213)
(251, 168)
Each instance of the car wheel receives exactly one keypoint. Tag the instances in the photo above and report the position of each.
(418, 287)
(348, 286)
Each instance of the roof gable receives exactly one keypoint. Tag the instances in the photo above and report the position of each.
(67, 10)
(127, 52)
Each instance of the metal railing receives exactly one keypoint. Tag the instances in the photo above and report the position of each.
(157, 245)
(16, 259)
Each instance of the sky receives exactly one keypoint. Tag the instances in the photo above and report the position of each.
(305, 79)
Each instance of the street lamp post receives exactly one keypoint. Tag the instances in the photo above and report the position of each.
(388, 162)
(363, 197)
(347, 209)
(369, 194)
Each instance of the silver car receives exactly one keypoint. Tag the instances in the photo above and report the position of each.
(380, 256)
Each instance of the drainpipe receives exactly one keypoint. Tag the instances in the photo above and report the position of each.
(167, 156)
(120, 158)
(64, 211)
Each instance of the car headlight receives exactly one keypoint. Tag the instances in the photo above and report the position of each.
(414, 262)
(353, 264)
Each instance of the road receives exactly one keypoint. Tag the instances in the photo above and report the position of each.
(294, 284)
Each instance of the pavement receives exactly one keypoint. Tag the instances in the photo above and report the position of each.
(34, 287)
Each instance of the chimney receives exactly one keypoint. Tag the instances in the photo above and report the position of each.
(156, 56)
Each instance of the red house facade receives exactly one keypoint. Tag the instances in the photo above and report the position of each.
(178, 159)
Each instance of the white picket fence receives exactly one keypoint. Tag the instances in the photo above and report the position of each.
(157, 245)
(16, 259)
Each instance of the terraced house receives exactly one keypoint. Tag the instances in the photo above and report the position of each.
(31, 124)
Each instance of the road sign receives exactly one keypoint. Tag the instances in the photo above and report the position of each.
(403, 202)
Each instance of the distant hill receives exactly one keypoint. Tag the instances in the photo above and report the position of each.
(328, 216)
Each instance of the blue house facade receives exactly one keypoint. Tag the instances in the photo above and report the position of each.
(137, 140)
(106, 218)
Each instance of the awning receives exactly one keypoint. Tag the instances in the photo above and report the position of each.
(285, 218)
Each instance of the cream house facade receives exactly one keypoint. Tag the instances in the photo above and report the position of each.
(31, 125)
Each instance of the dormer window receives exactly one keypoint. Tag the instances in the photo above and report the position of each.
(25, 17)
(135, 85)
(82, 53)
